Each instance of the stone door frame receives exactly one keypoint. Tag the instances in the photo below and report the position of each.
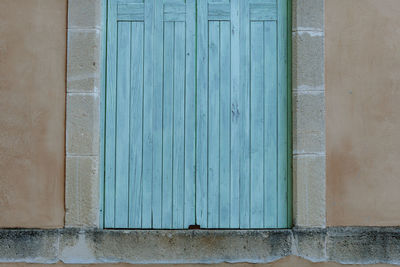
(84, 111)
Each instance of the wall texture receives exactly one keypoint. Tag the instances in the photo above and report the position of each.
(362, 44)
(32, 112)
(289, 261)
(82, 175)
(363, 114)
(308, 113)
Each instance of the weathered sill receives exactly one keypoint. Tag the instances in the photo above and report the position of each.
(356, 245)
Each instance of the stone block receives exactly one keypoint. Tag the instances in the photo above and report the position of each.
(308, 15)
(83, 61)
(308, 122)
(348, 245)
(309, 243)
(34, 246)
(83, 121)
(82, 192)
(308, 61)
(84, 14)
(361, 245)
(309, 191)
(187, 246)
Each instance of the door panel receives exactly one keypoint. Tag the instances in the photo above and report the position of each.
(196, 136)
(241, 178)
(150, 109)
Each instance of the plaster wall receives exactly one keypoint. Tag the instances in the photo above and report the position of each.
(363, 114)
(31, 151)
(32, 112)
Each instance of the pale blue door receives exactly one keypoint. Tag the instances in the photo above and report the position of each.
(196, 121)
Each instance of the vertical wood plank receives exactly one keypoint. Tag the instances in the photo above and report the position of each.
(225, 125)
(289, 115)
(179, 125)
(282, 115)
(245, 114)
(136, 123)
(236, 109)
(148, 115)
(168, 104)
(270, 126)
(109, 203)
(202, 108)
(157, 115)
(190, 119)
(122, 128)
(257, 125)
(213, 124)
(103, 86)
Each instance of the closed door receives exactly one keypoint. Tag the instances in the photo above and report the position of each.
(196, 122)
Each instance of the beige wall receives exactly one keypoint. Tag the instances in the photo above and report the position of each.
(363, 118)
(32, 112)
(363, 112)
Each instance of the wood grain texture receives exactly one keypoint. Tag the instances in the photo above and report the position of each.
(190, 116)
(282, 115)
(202, 114)
(205, 130)
(136, 126)
(109, 159)
(122, 125)
(150, 68)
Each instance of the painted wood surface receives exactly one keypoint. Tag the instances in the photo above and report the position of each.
(150, 110)
(196, 114)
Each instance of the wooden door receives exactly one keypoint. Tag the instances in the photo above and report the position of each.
(242, 118)
(150, 114)
(197, 114)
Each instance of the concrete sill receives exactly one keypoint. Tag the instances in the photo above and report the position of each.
(357, 245)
